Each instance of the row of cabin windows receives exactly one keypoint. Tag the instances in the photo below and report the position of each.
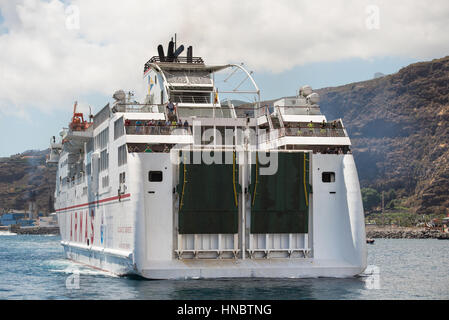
(104, 159)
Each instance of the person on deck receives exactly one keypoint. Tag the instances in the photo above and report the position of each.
(170, 106)
(148, 148)
(138, 124)
(310, 126)
(127, 125)
(323, 124)
(150, 126)
(323, 127)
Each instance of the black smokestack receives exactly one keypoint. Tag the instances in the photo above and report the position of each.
(190, 54)
(170, 53)
(178, 51)
(160, 50)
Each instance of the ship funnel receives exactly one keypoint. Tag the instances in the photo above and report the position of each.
(170, 54)
(189, 54)
(160, 50)
(178, 51)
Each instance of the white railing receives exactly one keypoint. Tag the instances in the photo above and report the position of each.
(158, 130)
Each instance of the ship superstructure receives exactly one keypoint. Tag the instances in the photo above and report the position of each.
(183, 185)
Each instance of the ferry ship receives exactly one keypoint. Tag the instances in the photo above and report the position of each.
(185, 185)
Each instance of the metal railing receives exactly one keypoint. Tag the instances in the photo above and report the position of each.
(221, 111)
(298, 110)
(305, 131)
(218, 111)
(158, 130)
(198, 99)
(177, 60)
(139, 107)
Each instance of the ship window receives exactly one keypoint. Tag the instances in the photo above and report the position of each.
(90, 146)
(105, 181)
(328, 177)
(119, 129)
(104, 160)
(122, 155)
(155, 176)
(101, 140)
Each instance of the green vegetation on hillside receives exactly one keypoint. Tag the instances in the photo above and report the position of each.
(400, 218)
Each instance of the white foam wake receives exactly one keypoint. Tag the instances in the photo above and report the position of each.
(7, 233)
(70, 267)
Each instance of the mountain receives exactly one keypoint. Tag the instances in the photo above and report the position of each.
(399, 127)
(24, 177)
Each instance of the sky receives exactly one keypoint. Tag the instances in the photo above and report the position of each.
(53, 52)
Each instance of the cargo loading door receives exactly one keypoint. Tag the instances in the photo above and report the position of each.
(280, 207)
(208, 208)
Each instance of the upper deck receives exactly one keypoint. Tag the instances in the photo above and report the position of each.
(273, 127)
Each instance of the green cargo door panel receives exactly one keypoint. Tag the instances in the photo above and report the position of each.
(280, 201)
(208, 197)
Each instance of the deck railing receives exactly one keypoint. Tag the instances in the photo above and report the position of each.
(305, 131)
(139, 107)
(299, 110)
(195, 99)
(158, 130)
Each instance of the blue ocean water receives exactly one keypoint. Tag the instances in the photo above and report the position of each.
(33, 267)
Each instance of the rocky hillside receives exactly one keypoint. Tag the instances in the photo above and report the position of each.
(24, 177)
(399, 126)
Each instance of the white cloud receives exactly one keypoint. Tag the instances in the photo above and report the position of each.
(45, 65)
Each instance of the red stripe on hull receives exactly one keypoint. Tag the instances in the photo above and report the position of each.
(95, 202)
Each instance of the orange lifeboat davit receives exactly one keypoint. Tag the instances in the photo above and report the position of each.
(78, 123)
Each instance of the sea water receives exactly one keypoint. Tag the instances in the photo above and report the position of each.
(33, 267)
